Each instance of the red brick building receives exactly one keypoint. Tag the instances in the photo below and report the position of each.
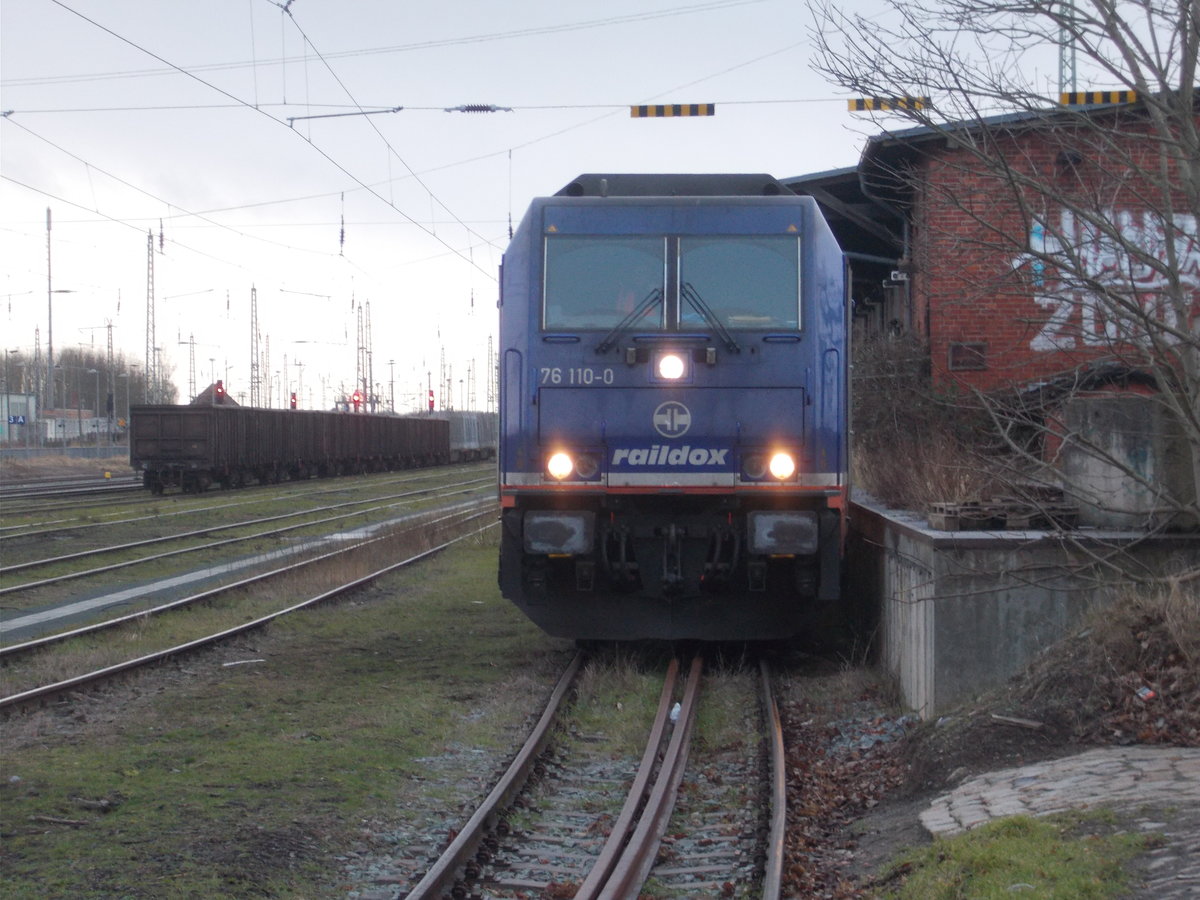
(1027, 246)
(1055, 248)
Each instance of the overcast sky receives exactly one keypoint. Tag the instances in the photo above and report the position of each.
(195, 120)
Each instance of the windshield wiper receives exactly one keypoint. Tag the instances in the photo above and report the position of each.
(693, 297)
(654, 297)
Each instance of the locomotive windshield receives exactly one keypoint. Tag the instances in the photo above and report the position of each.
(658, 283)
(747, 282)
(596, 282)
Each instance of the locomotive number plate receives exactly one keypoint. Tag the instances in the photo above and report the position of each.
(577, 376)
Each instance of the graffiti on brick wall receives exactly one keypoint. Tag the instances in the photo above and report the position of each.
(1101, 287)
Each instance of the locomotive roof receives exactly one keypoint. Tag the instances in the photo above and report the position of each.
(676, 185)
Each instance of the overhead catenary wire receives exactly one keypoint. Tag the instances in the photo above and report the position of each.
(140, 229)
(454, 250)
(372, 109)
(358, 112)
(201, 215)
(326, 194)
(468, 259)
(367, 109)
(533, 31)
(174, 242)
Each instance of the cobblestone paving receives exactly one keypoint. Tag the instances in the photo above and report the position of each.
(1158, 788)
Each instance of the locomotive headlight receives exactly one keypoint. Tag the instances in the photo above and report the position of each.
(560, 465)
(782, 466)
(563, 465)
(754, 466)
(671, 366)
(776, 465)
(586, 466)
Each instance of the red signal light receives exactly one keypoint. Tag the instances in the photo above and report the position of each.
(293, 400)
(431, 400)
(219, 391)
(356, 399)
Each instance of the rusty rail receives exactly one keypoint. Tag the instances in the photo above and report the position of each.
(441, 877)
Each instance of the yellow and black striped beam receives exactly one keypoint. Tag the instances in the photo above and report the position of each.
(669, 110)
(1088, 98)
(866, 104)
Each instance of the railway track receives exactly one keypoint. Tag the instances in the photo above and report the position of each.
(450, 529)
(49, 518)
(554, 824)
(43, 489)
(335, 513)
(40, 592)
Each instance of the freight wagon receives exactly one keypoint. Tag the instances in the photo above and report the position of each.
(194, 447)
(472, 434)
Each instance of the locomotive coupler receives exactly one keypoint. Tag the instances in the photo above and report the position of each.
(616, 556)
(724, 550)
(672, 570)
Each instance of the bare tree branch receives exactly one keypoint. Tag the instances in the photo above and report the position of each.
(1086, 217)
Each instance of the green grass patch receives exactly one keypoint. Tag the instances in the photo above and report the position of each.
(208, 779)
(728, 696)
(143, 636)
(616, 699)
(1068, 857)
(166, 567)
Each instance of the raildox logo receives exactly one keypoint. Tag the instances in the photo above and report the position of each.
(663, 455)
(672, 419)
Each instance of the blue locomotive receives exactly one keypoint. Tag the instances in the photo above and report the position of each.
(673, 409)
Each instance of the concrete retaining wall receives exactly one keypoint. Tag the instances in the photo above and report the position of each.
(961, 612)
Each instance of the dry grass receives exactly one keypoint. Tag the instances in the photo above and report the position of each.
(1181, 614)
(1133, 673)
(18, 469)
(1168, 615)
(916, 472)
(912, 447)
(619, 682)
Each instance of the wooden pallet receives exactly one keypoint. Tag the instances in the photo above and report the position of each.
(1005, 513)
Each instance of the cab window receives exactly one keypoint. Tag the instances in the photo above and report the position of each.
(747, 282)
(595, 282)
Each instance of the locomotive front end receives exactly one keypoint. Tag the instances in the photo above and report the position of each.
(673, 392)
